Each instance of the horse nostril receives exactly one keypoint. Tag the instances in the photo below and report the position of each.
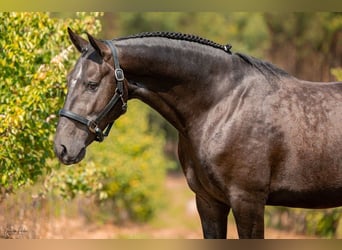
(64, 150)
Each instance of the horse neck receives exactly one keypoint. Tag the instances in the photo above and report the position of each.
(176, 78)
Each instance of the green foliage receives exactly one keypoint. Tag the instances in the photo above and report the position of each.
(337, 72)
(126, 171)
(323, 223)
(70, 181)
(35, 54)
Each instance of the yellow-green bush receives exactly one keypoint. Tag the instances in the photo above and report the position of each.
(35, 54)
(337, 72)
(316, 222)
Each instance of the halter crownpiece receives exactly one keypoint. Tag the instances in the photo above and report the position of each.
(92, 125)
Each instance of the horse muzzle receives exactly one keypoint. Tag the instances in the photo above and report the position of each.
(67, 155)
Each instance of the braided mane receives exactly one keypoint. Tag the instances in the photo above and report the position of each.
(262, 66)
(180, 36)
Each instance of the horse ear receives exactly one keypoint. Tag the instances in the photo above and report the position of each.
(100, 47)
(77, 40)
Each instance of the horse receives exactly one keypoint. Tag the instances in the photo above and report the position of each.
(250, 134)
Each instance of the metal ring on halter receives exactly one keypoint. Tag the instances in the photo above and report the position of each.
(92, 126)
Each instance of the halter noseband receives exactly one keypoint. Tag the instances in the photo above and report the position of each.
(92, 125)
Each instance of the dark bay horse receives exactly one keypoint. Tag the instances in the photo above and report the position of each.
(250, 134)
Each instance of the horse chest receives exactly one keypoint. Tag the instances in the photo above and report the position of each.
(202, 177)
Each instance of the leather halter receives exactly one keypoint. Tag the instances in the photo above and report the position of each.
(92, 125)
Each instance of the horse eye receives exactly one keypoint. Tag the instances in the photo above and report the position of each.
(92, 86)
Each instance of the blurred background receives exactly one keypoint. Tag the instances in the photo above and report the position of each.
(131, 186)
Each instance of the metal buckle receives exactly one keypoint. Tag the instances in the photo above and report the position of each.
(92, 126)
(119, 75)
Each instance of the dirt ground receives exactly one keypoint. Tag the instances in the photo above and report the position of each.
(164, 226)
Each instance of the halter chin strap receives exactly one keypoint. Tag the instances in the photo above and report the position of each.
(92, 125)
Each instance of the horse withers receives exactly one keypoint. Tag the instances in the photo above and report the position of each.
(250, 134)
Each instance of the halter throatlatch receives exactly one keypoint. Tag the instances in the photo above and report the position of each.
(92, 125)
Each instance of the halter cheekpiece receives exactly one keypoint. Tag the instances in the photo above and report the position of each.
(92, 125)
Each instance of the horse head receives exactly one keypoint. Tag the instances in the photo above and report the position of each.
(97, 95)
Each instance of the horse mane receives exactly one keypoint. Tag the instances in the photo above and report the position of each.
(180, 36)
(262, 66)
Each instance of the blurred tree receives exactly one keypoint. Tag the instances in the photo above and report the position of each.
(306, 44)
